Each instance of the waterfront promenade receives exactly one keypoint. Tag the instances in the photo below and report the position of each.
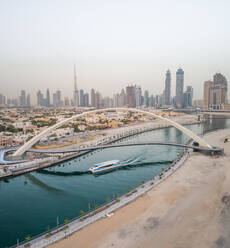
(188, 209)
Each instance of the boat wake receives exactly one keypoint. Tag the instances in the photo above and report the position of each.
(128, 164)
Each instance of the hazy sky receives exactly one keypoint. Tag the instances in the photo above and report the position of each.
(113, 43)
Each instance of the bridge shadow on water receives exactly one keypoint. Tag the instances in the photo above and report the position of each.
(129, 166)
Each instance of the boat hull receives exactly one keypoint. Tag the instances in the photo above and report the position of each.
(105, 170)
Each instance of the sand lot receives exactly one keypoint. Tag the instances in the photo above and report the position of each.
(189, 209)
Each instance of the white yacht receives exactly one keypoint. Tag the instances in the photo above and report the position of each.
(105, 166)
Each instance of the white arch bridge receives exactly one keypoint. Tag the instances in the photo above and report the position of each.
(46, 132)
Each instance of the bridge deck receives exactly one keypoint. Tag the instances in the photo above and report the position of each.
(200, 148)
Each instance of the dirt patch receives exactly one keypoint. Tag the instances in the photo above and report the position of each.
(151, 223)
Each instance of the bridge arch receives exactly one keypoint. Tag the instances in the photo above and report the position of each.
(44, 133)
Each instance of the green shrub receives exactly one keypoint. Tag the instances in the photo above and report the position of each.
(27, 237)
(48, 235)
(81, 212)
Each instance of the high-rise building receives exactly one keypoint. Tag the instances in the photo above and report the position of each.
(2, 99)
(81, 98)
(151, 101)
(158, 101)
(55, 101)
(122, 98)
(75, 92)
(215, 92)
(131, 96)
(28, 104)
(116, 100)
(146, 98)
(59, 102)
(22, 98)
(66, 101)
(92, 93)
(138, 96)
(47, 98)
(86, 100)
(97, 100)
(167, 91)
(107, 102)
(39, 98)
(179, 88)
(188, 97)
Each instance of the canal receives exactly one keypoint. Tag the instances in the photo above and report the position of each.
(32, 203)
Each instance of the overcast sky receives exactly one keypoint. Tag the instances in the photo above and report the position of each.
(114, 43)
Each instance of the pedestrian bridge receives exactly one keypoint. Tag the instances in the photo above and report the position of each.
(47, 131)
(205, 150)
(196, 148)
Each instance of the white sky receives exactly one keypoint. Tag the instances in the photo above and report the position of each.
(114, 43)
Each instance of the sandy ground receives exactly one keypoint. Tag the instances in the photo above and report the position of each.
(189, 209)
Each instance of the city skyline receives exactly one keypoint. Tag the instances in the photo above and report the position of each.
(134, 96)
(40, 46)
(131, 96)
(172, 82)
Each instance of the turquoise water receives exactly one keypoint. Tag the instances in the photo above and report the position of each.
(32, 202)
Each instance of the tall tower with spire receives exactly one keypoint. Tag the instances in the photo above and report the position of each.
(75, 92)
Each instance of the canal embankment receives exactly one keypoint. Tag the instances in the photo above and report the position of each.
(191, 206)
(105, 210)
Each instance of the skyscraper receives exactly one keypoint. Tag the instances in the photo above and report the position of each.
(55, 101)
(2, 99)
(81, 98)
(28, 104)
(97, 100)
(92, 93)
(66, 102)
(47, 98)
(167, 91)
(39, 98)
(138, 96)
(146, 98)
(75, 93)
(151, 101)
(22, 101)
(215, 92)
(179, 88)
(59, 102)
(188, 97)
(121, 100)
(86, 100)
(131, 96)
